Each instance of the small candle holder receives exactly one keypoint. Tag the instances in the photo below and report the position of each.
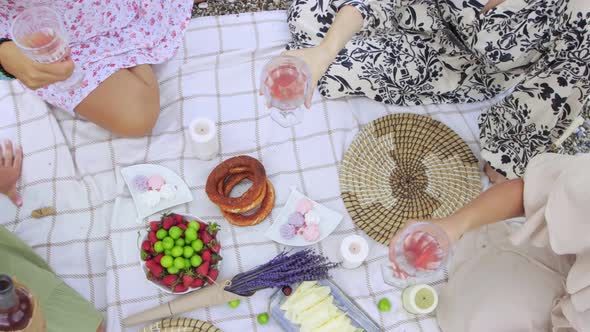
(419, 299)
(354, 250)
(203, 134)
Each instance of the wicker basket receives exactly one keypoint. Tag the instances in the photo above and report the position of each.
(181, 324)
(406, 166)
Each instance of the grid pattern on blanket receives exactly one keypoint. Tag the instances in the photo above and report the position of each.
(75, 167)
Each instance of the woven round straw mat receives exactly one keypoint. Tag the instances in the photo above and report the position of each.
(406, 166)
(181, 324)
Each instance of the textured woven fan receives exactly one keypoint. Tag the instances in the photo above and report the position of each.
(406, 166)
(181, 324)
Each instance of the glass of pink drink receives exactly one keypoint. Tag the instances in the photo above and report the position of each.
(39, 33)
(420, 253)
(286, 83)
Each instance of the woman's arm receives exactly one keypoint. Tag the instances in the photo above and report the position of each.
(347, 23)
(500, 202)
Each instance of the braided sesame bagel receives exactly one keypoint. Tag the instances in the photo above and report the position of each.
(257, 217)
(237, 165)
(225, 187)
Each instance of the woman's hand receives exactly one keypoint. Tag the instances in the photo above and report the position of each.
(318, 59)
(33, 74)
(11, 162)
(454, 227)
(347, 23)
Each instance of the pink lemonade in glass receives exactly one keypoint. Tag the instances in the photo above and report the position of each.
(39, 33)
(286, 83)
(420, 251)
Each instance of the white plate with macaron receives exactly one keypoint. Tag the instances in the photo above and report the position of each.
(303, 222)
(154, 188)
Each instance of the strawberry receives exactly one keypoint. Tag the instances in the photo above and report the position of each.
(197, 283)
(205, 237)
(155, 225)
(158, 258)
(146, 246)
(150, 276)
(187, 280)
(182, 226)
(287, 290)
(157, 270)
(152, 237)
(203, 225)
(144, 255)
(150, 263)
(212, 276)
(206, 255)
(178, 218)
(212, 229)
(215, 259)
(180, 288)
(170, 280)
(203, 269)
(214, 246)
(167, 222)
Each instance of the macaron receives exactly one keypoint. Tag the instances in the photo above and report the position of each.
(168, 192)
(311, 232)
(150, 198)
(312, 218)
(287, 231)
(296, 219)
(140, 183)
(304, 205)
(156, 182)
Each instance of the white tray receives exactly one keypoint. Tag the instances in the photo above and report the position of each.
(329, 220)
(183, 194)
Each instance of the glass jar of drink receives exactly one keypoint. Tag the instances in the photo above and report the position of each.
(418, 256)
(19, 311)
(286, 84)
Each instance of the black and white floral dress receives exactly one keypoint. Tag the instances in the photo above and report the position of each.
(413, 52)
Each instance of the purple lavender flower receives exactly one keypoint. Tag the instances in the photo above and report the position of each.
(284, 269)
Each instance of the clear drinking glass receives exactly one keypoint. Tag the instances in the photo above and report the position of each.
(286, 83)
(40, 34)
(420, 255)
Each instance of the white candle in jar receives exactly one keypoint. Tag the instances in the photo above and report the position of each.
(419, 299)
(354, 250)
(203, 134)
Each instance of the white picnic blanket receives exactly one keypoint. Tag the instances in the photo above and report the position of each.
(74, 166)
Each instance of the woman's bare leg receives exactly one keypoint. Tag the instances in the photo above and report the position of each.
(127, 103)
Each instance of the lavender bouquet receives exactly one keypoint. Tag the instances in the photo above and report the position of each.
(285, 269)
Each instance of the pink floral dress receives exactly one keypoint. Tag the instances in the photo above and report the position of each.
(109, 35)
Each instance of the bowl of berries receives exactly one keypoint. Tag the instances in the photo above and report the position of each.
(180, 253)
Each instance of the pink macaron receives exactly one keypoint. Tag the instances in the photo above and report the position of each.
(304, 205)
(156, 182)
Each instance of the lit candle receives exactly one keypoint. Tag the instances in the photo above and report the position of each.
(354, 250)
(419, 299)
(203, 133)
